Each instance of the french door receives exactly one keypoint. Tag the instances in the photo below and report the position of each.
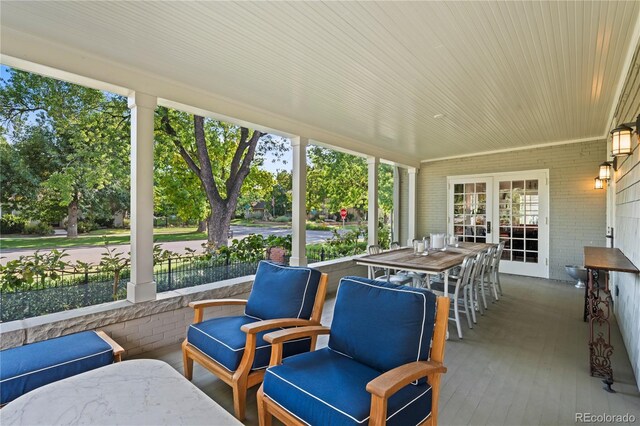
(504, 207)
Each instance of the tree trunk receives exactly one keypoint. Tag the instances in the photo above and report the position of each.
(202, 225)
(72, 220)
(218, 223)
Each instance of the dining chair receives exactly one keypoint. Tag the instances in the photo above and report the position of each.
(495, 268)
(382, 365)
(398, 279)
(474, 283)
(462, 293)
(485, 275)
(233, 348)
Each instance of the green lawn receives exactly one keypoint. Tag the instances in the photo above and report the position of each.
(97, 238)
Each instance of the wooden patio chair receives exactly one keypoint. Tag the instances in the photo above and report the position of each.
(233, 348)
(383, 362)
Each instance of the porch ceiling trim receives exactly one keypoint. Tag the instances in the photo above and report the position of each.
(520, 148)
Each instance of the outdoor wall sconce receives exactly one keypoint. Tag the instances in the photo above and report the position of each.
(621, 140)
(605, 171)
(599, 183)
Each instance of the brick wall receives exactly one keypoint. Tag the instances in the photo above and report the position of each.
(576, 211)
(626, 223)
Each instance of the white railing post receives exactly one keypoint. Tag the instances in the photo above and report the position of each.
(141, 286)
(299, 202)
(395, 217)
(413, 192)
(372, 214)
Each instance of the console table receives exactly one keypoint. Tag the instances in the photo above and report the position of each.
(596, 260)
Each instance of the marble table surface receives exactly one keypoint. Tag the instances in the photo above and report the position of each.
(137, 392)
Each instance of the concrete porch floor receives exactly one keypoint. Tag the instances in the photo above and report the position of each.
(525, 363)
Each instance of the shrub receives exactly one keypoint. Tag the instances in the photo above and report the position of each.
(39, 228)
(318, 227)
(11, 224)
(282, 219)
(85, 226)
(104, 222)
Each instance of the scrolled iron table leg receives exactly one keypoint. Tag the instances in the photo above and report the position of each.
(600, 348)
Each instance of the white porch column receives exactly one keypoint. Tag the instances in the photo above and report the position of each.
(299, 202)
(395, 218)
(413, 192)
(372, 215)
(141, 287)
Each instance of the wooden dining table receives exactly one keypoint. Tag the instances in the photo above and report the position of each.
(432, 262)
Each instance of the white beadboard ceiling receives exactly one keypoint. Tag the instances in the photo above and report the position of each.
(373, 75)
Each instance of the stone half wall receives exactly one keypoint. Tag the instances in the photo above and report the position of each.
(151, 325)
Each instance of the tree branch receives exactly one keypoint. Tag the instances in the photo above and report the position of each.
(206, 174)
(170, 131)
(237, 156)
(234, 185)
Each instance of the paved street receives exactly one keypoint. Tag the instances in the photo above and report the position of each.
(93, 254)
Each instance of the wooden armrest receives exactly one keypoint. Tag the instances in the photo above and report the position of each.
(117, 349)
(216, 302)
(392, 381)
(257, 327)
(282, 336)
(201, 304)
(277, 339)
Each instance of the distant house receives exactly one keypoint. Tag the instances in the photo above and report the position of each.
(260, 209)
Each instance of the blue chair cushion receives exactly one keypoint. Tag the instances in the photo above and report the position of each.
(327, 388)
(382, 325)
(222, 340)
(28, 367)
(282, 292)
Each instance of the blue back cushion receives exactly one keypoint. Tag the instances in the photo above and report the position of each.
(382, 325)
(282, 292)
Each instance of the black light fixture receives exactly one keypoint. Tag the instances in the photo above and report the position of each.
(598, 183)
(621, 140)
(605, 171)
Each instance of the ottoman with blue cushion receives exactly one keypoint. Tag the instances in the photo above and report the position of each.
(28, 367)
(376, 327)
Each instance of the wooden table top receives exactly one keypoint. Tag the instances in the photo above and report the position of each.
(435, 261)
(607, 259)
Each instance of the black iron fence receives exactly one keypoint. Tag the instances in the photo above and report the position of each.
(60, 290)
(328, 252)
(65, 290)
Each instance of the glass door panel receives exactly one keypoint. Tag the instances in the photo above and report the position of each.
(517, 204)
(469, 210)
(522, 200)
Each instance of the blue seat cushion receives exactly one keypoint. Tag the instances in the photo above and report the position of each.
(222, 340)
(382, 325)
(28, 367)
(282, 291)
(327, 388)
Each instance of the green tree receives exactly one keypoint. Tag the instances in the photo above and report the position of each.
(221, 156)
(336, 180)
(281, 193)
(86, 130)
(18, 186)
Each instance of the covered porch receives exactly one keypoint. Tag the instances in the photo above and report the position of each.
(415, 87)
